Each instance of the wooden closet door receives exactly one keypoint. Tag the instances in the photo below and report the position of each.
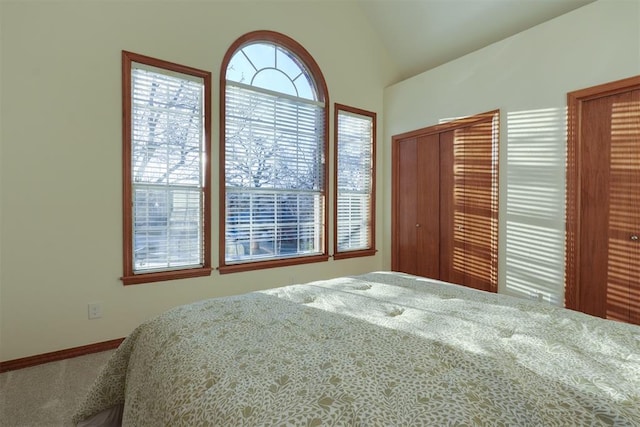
(632, 124)
(468, 207)
(477, 148)
(405, 255)
(445, 201)
(609, 267)
(428, 225)
(452, 226)
(417, 222)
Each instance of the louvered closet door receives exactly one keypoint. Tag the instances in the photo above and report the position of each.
(609, 271)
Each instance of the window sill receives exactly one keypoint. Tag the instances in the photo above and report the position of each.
(259, 265)
(354, 254)
(165, 275)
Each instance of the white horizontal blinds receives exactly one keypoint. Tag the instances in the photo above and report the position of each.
(274, 174)
(272, 141)
(354, 179)
(272, 224)
(167, 150)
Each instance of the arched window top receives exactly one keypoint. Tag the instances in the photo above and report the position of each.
(272, 61)
(273, 155)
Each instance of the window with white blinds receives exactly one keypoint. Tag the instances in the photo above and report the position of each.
(274, 158)
(165, 170)
(355, 182)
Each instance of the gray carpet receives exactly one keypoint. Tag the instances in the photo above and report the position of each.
(47, 395)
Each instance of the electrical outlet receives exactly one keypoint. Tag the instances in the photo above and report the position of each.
(537, 296)
(95, 311)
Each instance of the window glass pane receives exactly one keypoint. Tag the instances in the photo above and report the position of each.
(274, 80)
(271, 67)
(287, 63)
(240, 69)
(166, 129)
(305, 87)
(353, 221)
(272, 142)
(354, 179)
(276, 224)
(167, 228)
(167, 144)
(261, 55)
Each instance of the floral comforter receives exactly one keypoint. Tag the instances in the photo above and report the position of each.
(381, 349)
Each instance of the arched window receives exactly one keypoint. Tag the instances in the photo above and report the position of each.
(273, 155)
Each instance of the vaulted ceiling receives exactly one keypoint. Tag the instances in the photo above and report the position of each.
(422, 34)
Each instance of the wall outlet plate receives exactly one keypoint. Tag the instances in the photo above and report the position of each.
(95, 311)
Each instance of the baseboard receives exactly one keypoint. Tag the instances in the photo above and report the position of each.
(25, 362)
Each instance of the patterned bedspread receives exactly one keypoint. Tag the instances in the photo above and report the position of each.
(381, 349)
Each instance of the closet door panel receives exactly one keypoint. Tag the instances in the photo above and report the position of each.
(623, 293)
(610, 207)
(475, 174)
(406, 256)
(594, 202)
(634, 167)
(428, 225)
(468, 215)
(452, 256)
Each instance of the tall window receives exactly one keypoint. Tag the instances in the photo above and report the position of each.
(273, 154)
(355, 143)
(166, 145)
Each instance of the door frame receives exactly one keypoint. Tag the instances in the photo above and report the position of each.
(573, 214)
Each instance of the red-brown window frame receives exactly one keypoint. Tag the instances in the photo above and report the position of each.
(372, 219)
(129, 277)
(304, 56)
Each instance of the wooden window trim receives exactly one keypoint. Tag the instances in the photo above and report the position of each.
(129, 278)
(447, 126)
(321, 86)
(337, 255)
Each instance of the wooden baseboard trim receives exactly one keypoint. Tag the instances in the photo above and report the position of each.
(25, 362)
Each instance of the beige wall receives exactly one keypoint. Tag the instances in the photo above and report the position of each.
(61, 151)
(527, 77)
(60, 140)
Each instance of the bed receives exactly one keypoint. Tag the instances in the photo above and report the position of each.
(380, 349)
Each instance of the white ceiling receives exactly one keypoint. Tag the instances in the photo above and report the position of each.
(422, 34)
